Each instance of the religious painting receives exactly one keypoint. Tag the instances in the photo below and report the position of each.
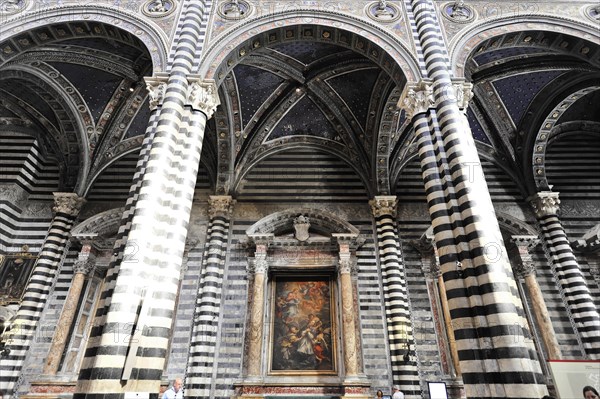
(14, 274)
(303, 327)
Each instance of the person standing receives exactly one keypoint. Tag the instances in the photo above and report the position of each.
(397, 393)
(174, 391)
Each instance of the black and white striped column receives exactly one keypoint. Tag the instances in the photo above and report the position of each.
(200, 371)
(66, 208)
(395, 294)
(497, 359)
(133, 346)
(575, 292)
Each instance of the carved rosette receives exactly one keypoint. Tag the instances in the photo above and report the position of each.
(545, 203)
(220, 205)
(68, 203)
(203, 96)
(384, 205)
(157, 88)
(416, 98)
(8, 7)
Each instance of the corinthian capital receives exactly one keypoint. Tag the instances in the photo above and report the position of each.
(220, 205)
(69, 203)
(545, 203)
(416, 98)
(384, 205)
(202, 96)
(157, 87)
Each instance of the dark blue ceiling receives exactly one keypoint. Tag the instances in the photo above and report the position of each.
(305, 118)
(307, 52)
(255, 85)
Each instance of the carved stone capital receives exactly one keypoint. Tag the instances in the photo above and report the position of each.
(69, 203)
(203, 95)
(220, 205)
(463, 92)
(545, 203)
(416, 98)
(86, 260)
(346, 264)
(384, 205)
(157, 87)
(261, 264)
(525, 265)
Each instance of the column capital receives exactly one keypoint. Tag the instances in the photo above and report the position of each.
(86, 259)
(220, 205)
(384, 205)
(416, 98)
(202, 95)
(525, 243)
(346, 265)
(69, 203)
(463, 91)
(157, 87)
(545, 203)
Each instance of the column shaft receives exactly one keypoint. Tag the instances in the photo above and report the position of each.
(255, 330)
(448, 322)
(395, 293)
(573, 287)
(487, 314)
(201, 361)
(66, 208)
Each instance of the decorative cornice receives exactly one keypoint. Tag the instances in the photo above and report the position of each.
(384, 205)
(203, 95)
(157, 87)
(69, 203)
(220, 205)
(529, 242)
(545, 203)
(416, 98)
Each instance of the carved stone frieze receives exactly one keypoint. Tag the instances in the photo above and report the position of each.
(384, 205)
(69, 203)
(545, 203)
(220, 205)
(416, 98)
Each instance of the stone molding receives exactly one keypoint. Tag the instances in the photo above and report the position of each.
(545, 203)
(69, 203)
(384, 205)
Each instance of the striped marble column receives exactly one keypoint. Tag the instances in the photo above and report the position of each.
(133, 346)
(200, 370)
(573, 288)
(496, 357)
(96, 332)
(83, 268)
(66, 208)
(395, 293)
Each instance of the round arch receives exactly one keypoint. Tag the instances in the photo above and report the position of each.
(150, 34)
(324, 26)
(463, 45)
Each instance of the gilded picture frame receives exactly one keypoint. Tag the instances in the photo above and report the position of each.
(303, 325)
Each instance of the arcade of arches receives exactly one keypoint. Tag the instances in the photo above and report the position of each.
(275, 199)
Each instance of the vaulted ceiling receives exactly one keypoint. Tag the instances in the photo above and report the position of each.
(78, 88)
